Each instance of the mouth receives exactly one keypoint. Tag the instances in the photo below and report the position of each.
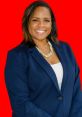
(40, 31)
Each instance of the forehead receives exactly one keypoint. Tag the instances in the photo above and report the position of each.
(41, 11)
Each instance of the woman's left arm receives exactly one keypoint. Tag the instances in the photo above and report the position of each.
(76, 106)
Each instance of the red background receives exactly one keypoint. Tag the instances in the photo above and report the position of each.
(69, 24)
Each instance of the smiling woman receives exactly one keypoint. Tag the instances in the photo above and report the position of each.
(41, 73)
(39, 16)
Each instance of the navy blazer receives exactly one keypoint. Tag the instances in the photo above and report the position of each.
(32, 85)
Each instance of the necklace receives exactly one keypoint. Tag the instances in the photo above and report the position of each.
(49, 54)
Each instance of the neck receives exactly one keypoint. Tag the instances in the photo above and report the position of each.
(41, 43)
(48, 52)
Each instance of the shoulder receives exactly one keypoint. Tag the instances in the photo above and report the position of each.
(64, 44)
(21, 48)
(69, 52)
(66, 48)
(18, 56)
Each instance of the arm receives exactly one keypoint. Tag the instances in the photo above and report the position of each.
(76, 107)
(16, 83)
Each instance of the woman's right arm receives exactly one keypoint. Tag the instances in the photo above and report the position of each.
(18, 91)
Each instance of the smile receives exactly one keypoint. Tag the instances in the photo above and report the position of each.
(40, 31)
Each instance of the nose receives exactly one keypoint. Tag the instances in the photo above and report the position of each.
(41, 23)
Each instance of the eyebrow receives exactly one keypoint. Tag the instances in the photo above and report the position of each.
(43, 18)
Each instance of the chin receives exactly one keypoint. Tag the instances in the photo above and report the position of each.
(41, 39)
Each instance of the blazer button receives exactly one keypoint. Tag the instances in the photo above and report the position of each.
(60, 98)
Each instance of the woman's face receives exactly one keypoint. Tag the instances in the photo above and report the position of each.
(39, 25)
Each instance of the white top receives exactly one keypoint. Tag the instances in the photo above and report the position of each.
(58, 69)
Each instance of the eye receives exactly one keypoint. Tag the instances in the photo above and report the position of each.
(47, 20)
(34, 20)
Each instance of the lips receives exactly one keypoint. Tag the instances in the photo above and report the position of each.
(40, 31)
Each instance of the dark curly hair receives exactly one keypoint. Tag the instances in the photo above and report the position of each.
(28, 12)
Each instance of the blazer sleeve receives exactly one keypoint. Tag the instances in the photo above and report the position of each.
(76, 107)
(18, 91)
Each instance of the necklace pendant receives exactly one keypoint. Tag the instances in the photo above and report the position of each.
(49, 54)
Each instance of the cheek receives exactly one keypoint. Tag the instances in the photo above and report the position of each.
(30, 28)
(49, 28)
(32, 25)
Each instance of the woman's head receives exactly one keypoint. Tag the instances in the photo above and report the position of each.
(39, 23)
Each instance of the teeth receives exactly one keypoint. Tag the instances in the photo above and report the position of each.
(40, 31)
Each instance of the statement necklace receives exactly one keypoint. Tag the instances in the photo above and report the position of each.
(49, 54)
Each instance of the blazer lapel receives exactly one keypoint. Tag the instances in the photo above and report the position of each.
(46, 66)
(60, 53)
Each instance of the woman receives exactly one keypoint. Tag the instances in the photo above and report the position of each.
(41, 74)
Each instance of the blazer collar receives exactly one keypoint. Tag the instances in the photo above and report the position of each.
(46, 66)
